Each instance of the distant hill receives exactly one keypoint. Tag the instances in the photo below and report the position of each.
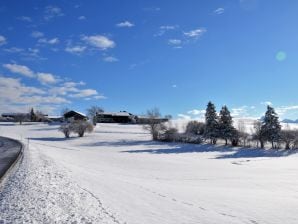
(290, 121)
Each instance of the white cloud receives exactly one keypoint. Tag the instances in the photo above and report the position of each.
(37, 34)
(84, 93)
(174, 42)
(164, 29)
(51, 92)
(75, 49)
(196, 112)
(267, 103)
(174, 86)
(240, 111)
(195, 33)
(184, 117)
(152, 9)
(219, 11)
(125, 24)
(99, 41)
(285, 109)
(110, 59)
(14, 50)
(99, 97)
(46, 78)
(19, 69)
(25, 19)
(82, 18)
(2, 40)
(168, 27)
(18, 97)
(52, 12)
(49, 41)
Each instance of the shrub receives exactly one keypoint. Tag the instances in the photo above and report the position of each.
(195, 127)
(169, 135)
(65, 129)
(80, 127)
(290, 138)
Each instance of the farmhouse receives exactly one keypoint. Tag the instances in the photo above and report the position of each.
(118, 117)
(74, 115)
(149, 120)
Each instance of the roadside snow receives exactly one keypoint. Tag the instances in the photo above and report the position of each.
(117, 175)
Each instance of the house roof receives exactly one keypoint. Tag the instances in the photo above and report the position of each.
(74, 112)
(120, 114)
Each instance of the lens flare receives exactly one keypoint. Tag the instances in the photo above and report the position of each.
(281, 56)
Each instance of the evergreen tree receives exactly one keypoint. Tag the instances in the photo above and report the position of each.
(226, 129)
(271, 126)
(211, 123)
(32, 115)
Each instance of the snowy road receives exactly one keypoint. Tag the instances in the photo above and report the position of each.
(9, 151)
(116, 175)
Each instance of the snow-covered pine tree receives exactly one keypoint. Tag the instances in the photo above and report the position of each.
(32, 115)
(226, 129)
(211, 123)
(271, 126)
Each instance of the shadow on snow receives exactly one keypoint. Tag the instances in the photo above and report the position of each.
(226, 152)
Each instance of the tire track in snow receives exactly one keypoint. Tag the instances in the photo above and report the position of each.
(39, 192)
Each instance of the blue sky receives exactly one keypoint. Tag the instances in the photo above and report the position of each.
(135, 55)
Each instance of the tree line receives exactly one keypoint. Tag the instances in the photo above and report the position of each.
(219, 126)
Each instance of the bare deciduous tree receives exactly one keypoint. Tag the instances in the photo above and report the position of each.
(289, 138)
(93, 111)
(154, 126)
(258, 133)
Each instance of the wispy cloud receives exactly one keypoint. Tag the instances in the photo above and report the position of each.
(2, 40)
(49, 41)
(285, 109)
(196, 33)
(75, 49)
(267, 103)
(174, 42)
(110, 59)
(196, 112)
(152, 9)
(51, 12)
(25, 19)
(28, 54)
(19, 69)
(219, 11)
(165, 28)
(43, 78)
(14, 50)
(84, 93)
(46, 78)
(125, 24)
(99, 41)
(82, 18)
(37, 34)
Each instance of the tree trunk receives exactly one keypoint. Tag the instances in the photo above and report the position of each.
(226, 141)
(262, 144)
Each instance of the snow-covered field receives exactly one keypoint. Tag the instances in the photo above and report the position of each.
(117, 175)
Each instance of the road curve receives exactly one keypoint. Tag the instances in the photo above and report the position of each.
(10, 150)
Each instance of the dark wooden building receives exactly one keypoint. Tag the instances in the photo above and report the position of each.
(74, 115)
(119, 117)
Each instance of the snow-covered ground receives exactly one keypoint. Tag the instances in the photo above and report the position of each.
(117, 175)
